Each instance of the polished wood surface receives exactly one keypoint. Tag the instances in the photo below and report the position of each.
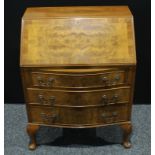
(49, 80)
(127, 129)
(31, 130)
(76, 79)
(81, 116)
(76, 11)
(71, 41)
(78, 68)
(78, 98)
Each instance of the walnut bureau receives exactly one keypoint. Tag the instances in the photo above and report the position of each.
(78, 67)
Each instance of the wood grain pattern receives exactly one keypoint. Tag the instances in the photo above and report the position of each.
(78, 116)
(77, 41)
(31, 130)
(127, 129)
(78, 98)
(61, 80)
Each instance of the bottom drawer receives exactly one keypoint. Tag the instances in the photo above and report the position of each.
(78, 116)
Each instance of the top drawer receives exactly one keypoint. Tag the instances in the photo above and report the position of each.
(66, 79)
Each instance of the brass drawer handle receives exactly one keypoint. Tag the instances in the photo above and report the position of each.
(109, 82)
(43, 83)
(42, 100)
(113, 114)
(49, 118)
(104, 115)
(117, 77)
(106, 100)
(52, 100)
(115, 98)
(105, 80)
(50, 81)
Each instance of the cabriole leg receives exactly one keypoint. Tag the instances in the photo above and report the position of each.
(31, 130)
(127, 129)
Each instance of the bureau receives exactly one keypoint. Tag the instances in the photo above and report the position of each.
(78, 68)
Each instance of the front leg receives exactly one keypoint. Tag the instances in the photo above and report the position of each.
(31, 130)
(127, 129)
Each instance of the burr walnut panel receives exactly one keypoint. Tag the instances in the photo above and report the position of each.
(78, 116)
(78, 98)
(77, 41)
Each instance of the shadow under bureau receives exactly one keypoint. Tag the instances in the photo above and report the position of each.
(78, 67)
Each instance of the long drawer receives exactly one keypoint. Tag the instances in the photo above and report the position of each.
(78, 98)
(78, 116)
(102, 79)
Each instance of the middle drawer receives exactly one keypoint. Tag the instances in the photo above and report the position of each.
(78, 98)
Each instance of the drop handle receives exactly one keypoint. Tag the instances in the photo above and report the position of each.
(48, 117)
(40, 81)
(104, 99)
(106, 115)
(117, 77)
(113, 114)
(50, 81)
(41, 99)
(52, 100)
(105, 79)
(115, 98)
(45, 83)
(103, 115)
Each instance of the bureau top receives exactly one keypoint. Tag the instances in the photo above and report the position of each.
(76, 11)
(92, 35)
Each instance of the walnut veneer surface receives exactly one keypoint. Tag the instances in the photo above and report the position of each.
(78, 67)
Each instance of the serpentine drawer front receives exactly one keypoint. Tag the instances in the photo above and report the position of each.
(90, 80)
(82, 116)
(78, 98)
(78, 68)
